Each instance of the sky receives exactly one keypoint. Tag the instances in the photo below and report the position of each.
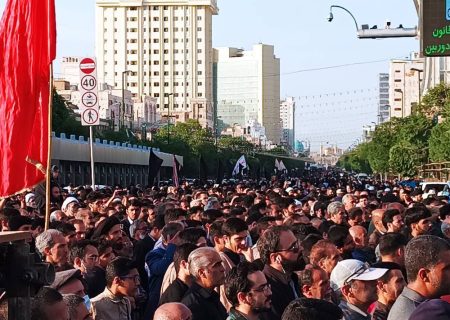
(333, 103)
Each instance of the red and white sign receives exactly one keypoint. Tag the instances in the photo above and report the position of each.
(87, 65)
(89, 109)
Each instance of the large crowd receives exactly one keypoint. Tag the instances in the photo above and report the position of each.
(324, 245)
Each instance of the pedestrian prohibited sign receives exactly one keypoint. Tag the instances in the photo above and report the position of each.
(90, 116)
(88, 83)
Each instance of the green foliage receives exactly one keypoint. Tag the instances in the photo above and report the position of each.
(356, 160)
(278, 151)
(440, 142)
(436, 101)
(404, 157)
(401, 144)
(63, 118)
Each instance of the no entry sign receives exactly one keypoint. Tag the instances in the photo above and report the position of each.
(87, 65)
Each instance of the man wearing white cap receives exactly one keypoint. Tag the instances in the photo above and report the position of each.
(356, 282)
(70, 206)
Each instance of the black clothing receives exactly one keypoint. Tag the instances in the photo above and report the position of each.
(174, 292)
(236, 258)
(96, 281)
(141, 248)
(204, 304)
(283, 288)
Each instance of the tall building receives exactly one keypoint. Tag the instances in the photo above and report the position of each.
(405, 81)
(383, 97)
(161, 49)
(247, 87)
(287, 115)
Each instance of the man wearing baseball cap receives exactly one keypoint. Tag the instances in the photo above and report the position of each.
(357, 285)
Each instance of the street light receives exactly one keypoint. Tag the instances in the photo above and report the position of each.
(373, 33)
(168, 117)
(331, 17)
(419, 71)
(403, 101)
(123, 97)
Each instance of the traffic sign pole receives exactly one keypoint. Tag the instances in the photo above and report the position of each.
(91, 145)
(89, 110)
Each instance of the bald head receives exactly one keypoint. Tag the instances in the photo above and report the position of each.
(377, 216)
(173, 311)
(359, 235)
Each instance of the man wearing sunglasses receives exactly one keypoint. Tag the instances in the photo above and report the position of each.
(357, 285)
(280, 252)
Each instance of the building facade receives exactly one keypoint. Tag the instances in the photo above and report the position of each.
(405, 82)
(161, 49)
(383, 98)
(287, 115)
(247, 87)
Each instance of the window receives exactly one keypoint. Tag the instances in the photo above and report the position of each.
(166, 62)
(166, 7)
(166, 40)
(156, 62)
(166, 84)
(199, 73)
(199, 50)
(175, 84)
(199, 39)
(199, 94)
(155, 18)
(155, 40)
(199, 18)
(166, 51)
(199, 84)
(156, 95)
(155, 7)
(199, 61)
(156, 73)
(199, 28)
(156, 51)
(166, 29)
(156, 84)
(166, 73)
(155, 29)
(166, 18)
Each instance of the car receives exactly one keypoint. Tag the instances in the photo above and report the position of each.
(433, 188)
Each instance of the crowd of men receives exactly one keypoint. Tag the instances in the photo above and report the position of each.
(322, 246)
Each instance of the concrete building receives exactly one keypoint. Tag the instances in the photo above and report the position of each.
(247, 87)
(287, 115)
(161, 49)
(405, 78)
(383, 98)
(109, 102)
(70, 70)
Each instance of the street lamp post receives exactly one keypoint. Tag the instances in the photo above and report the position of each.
(419, 71)
(168, 116)
(403, 100)
(123, 99)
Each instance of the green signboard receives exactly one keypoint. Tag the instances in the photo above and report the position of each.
(435, 31)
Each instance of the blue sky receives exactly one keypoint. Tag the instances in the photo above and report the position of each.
(335, 102)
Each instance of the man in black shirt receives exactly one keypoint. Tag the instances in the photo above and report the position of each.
(177, 289)
(206, 268)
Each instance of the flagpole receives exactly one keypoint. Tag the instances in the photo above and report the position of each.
(49, 153)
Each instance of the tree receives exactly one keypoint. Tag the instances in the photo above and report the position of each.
(436, 102)
(440, 142)
(63, 118)
(404, 158)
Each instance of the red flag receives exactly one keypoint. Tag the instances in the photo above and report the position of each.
(28, 46)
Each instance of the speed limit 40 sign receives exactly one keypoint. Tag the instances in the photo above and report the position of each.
(89, 108)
